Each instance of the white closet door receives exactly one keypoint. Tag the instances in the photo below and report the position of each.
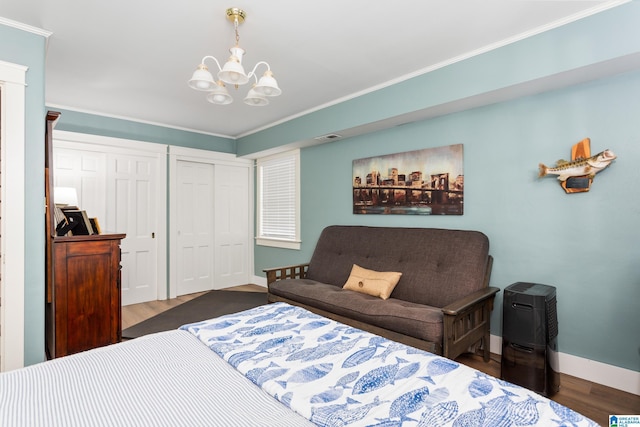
(118, 187)
(194, 233)
(232, 236)
(132, 210)
(86, 172)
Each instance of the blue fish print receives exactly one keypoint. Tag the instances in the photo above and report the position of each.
(311, 373)
(270, 329)
(473, 418)
(497, 412)
(222, 338)
(223, 348)
(312, 353)
(408, 371)
(323, 350)
(439, 414)
(253, 374)
(261, 318)
(328, 336)
(375, 379)
(286, 398)
(377, 341)
(480, 387)
(524, 413)
(392, 348)
(268, 316)
(340, 415)
(337, 391)
(314, 325)
(387, 423)
(565, 413)
(327, 396)
(349, 330)
(270, 375)
(240, 357)
(274, 342)
(436, 396)
(289, 348)
(307, 315)
(222, 325)
(194, 327)
(408, 403)
(439, 367)
(359, 357)
(345, 380)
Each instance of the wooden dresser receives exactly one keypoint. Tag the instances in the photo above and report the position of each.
(84, 310)
(83, 294)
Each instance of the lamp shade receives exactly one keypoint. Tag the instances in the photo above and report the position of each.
(233, 72)
(219, 95)
(268, 86)
(255, 99)
(65, 196)
(201, 79)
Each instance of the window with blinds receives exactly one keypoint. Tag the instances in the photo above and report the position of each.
(279, 200)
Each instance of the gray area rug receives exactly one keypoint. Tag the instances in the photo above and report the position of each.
(207, 306)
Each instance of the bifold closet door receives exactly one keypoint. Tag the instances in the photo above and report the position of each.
(132, 208)
(232, 234)
(118, 189)
(195, 233)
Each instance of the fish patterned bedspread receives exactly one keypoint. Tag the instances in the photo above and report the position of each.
(336, 375)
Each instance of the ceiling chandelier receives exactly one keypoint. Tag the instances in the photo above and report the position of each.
(233, 74)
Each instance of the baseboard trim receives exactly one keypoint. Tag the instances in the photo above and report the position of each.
(586, 369)
(590, 370)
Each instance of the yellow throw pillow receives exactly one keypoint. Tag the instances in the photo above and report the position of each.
(375, 283)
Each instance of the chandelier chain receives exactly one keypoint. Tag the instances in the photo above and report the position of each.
(235, 24)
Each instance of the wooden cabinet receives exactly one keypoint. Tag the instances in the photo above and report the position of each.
(84, 311)
(83, 294)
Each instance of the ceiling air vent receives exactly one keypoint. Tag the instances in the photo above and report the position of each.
(328, 137)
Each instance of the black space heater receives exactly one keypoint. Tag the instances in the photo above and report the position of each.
(530, 337)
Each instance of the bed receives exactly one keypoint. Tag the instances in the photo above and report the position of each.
(275, 365)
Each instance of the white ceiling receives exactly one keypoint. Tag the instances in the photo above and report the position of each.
(132, 59)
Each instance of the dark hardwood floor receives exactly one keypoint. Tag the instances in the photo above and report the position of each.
(593, 400)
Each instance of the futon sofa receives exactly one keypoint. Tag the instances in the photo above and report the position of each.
(441, 301)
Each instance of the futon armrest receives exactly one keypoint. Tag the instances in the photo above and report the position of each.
(298, 271)
(470, 300)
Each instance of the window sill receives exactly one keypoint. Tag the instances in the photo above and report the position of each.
(278, 243)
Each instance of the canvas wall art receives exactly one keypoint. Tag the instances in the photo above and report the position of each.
(420, 182)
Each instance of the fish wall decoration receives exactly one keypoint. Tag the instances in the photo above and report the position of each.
(577, 175)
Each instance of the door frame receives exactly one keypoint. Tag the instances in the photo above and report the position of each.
(214, 158)
(13, 81)
(111, 145)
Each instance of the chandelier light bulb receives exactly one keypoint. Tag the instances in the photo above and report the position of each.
(233, 73)
(268, 86)
(219, 95)
(202, 85)
(201, 78)
(255, 99)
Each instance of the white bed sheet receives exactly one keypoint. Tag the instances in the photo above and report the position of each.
(164, 379)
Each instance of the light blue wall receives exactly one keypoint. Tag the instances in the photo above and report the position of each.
(28, 49)
(584, 244)
(74, 121)
(575, 48)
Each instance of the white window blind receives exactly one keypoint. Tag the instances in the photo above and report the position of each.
(278, 199)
